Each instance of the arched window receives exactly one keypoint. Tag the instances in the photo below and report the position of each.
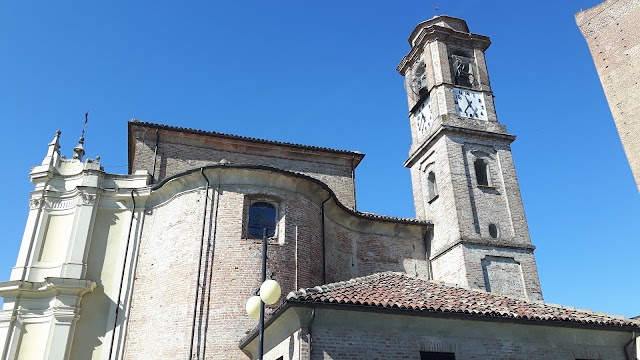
(432, 186)
(482, 171)
(262, 215)
(462, 69)
(419, 78)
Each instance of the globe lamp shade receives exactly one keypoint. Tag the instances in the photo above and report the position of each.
(270, 291)
(253, 307)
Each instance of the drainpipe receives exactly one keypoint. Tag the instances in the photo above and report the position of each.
(296, 260)
(195, 304)
(353, 180)
(212, 244)
(428, 236)
(627, 354)
(124, 267)
(313, 317)
(324, 248)
(155, 155)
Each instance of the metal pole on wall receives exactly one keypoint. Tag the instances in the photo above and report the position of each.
(269, 294)
(262, 279)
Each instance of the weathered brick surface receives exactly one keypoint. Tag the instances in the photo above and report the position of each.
(164, 293)
(175, 155)
(352, 253)
(611, 31)
(339, 343)
(463, 210)
(295, 347)
(387, 337)
(167, 268)
(165, 280)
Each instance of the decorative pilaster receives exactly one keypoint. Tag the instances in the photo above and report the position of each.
(49, 309)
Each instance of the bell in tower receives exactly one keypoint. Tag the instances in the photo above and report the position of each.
(462, 171)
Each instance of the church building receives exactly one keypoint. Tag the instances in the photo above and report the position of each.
(157, 263)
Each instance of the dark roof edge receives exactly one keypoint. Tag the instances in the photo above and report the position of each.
(463, 316)
(359, 214)
(434, 314)
(355, 154)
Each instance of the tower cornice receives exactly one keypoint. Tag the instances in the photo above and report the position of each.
(453, 130)
(432, 33)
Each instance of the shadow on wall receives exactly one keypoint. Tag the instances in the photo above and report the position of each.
(95, 323)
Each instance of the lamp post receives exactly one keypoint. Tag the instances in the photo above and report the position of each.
(269, 294)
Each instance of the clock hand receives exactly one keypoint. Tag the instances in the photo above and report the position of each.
(468, 103)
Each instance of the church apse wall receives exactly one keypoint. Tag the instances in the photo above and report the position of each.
(165, 151)
(170, 258)
(366, 246)
(300, 247)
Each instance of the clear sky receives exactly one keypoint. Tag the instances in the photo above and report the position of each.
(323, 73)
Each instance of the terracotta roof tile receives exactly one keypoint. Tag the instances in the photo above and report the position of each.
(400, 291)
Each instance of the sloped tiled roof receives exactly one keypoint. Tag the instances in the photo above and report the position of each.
(136, 122)
(393, 290)
(391, 218)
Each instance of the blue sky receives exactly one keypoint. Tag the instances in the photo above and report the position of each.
(323, 73)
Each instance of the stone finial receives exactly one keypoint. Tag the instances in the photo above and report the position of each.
(53, 153)
(78, 151)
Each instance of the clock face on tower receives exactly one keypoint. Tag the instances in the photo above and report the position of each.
(421, 116)
(470, 104)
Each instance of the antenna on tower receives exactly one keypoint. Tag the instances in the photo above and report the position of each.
(84, 127)
(78, 151)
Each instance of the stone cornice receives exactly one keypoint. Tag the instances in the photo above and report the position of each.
(435, 32)
(493, 243)
(50, 287)
(453, 130)
(259, 175)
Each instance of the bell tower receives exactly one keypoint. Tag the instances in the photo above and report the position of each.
(462, 170)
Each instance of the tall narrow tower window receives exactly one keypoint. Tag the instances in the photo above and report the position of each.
(493, 230)
(482, 172)
(432, 186)
(262, 215)
(419, 78)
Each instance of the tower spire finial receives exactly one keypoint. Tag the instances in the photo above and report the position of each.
(53, 151)
(78, 151)
(84, 127)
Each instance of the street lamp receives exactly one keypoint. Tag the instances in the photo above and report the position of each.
(269, 294)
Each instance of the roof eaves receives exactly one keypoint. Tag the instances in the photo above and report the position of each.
(461, 315)
(354, 153)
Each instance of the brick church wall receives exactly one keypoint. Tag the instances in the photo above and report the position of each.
(178, 152)
(164, 292)
(167, 267)
(367, 335)
(352, 252)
